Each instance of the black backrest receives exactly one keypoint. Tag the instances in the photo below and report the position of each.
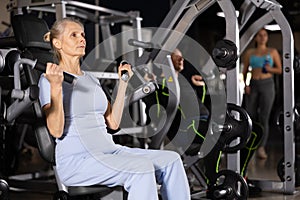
(29, 33)
(45, 141)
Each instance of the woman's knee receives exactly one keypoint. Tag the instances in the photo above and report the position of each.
(171, 156)
(142, 165)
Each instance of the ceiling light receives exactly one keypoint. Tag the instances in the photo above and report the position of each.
(221, 14)
(272, 27)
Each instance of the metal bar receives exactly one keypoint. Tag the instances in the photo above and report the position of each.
(107, 41)
(70, 11)
(232, 80)
(96, 8)
(25, 3)
(182, 27)
(60, 10)
(253, 29)
(289, 100)
(288, 186)
(266, 4)
(186, 21)
(137, 34)
(232, 33)
(97, 33)
(246, 11)
(171, 18)
(164, 29)
(28, 3)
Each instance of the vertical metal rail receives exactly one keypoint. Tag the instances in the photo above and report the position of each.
(288, 100)
(232, 79)
(60, 10)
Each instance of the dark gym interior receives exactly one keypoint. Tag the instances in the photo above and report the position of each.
(212, 46)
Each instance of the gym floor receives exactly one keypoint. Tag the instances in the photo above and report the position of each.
(258, 170)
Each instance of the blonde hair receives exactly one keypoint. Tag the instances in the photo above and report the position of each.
(56, 31)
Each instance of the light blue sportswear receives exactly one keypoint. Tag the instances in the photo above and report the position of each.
(259, 61)
(87, 154)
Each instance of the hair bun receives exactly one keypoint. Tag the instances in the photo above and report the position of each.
(47, 37)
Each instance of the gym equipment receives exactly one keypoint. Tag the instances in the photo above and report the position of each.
(43, 141)
(281, 163)
(225, 54)
(235, 128)
(4, 188)
(29, 47)
(11, 57)
(63, 8)
(240, 129)
(297, 64)
(274, 13)
(228, 185)
(124, 73)
(73, 8)
(278, 118)
(42, 67)
(281, 170)
(168, 41)
(46, 147)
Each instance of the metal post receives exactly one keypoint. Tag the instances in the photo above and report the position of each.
(274, 13)
(60, 10)
(232, 80)
(288, 101)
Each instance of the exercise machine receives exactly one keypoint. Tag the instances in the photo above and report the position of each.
(274, 13)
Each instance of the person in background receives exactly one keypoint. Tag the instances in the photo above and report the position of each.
(189, 84)
(260, 93)
(79, 115)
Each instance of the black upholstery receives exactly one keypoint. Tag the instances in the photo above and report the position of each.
(29, 32)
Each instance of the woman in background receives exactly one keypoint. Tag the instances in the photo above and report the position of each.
(260, 93)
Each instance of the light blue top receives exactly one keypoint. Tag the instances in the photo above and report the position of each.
(84, 106)
(87, 155)
(260, 61)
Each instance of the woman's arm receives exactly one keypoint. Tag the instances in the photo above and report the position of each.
(277, 69)
(197, 80)
(114, 112)
(246, 64)
(54, 110)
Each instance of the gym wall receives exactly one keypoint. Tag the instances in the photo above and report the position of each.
(4, 15)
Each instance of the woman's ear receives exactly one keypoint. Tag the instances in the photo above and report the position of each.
(56, 43)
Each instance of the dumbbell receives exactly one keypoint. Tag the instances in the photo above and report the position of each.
(224, 186)
(67, 77)
(225, 54)
(234, 128)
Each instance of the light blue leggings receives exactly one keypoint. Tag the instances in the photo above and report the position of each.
(137, 170)
(169, 173)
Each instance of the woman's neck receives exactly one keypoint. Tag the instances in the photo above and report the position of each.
(262, 49)
(71, 65)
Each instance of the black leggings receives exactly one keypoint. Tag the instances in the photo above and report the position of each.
(259, 103)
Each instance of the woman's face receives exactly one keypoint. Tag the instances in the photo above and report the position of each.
(72, 42)
(262, 37)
